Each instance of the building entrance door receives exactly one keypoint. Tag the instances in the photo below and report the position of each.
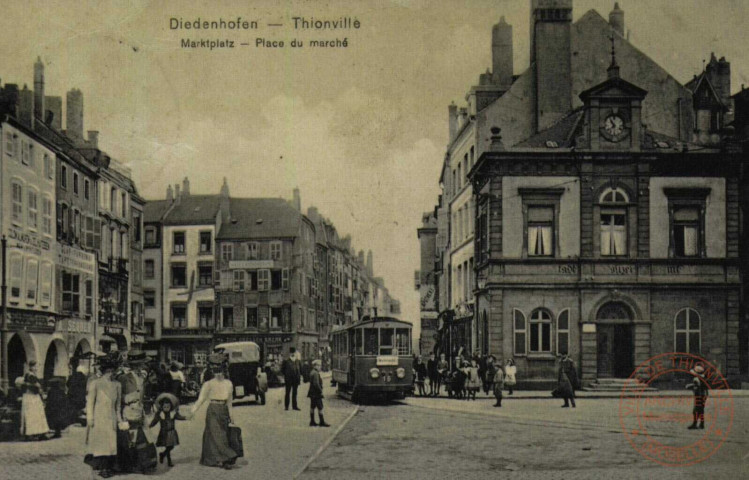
(614, 350)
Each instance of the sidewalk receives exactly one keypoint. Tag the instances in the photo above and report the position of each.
(545, 394)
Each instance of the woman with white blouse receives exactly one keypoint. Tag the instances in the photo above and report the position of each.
(217, 392)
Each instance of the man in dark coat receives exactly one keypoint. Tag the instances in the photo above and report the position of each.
(433, 374)
(291, 369)
(57, 409)
(315, 395)
(77, 391)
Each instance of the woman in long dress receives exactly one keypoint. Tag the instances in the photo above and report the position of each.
(217, 392)
(103, 406)
(33, 418)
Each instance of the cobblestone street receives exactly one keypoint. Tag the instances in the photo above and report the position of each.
(276, 444)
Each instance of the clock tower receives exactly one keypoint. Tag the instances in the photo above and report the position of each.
(613, 112)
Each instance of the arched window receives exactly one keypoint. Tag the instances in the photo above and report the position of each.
(563, 332)
(687, 331)
(540, 331)
(614, 222)
(521, 332)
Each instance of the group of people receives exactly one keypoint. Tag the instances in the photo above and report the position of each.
(294, 372)
(470, 375)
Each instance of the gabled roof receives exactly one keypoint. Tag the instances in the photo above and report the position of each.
(194, 210)
(154, 210)
(253, 218)
(614, 87)
(703, 79)
(559, 135)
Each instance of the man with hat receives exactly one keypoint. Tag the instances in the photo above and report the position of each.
(315, 395)
(132, 443)
(700, 390)
(292, 371)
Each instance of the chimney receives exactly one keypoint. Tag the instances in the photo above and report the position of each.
(361, 257)
(551, 23)
(169, 193)
(54, 106)
(93, 138)
(74, 120)
(26, 107)
(10, 99)
(297, 200)
(502, 66)
(177, 195)
(186, 187)
(225, 203)
(462, 117)
(370, 265)
(39, 110)
(616, 19)
(452, 119)
(313, 214)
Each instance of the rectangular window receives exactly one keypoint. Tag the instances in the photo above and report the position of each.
(86, 188)
(563, 333)
(252, 251)
(150, 235)
(10, 144)
(403, 341)
(285, 279)
(17, 203)
(179, 275)
(613, 232)
(149, 298)
(540, 332)
(275, 280)
(124, 205)
(540, 231)
(25, 153)
(179, 316)
(387, 341)
(251, 321)
(16, 277)
(89, 295)
(263, 280)
(32, 279)
(63, 177)
(71, 299)
(687, 332)
(227, 252)
(205, 274)
(520, 332)
(48, 166)
(205, 242)
(205, 315)
(137, 227)
(179, 242)
(90, 233)
(32, 208)
(276, 317)
(227, 317)
(239, 280)
(275, 250)
(45, 284)
(252, 280)
(149, 267)
(686, 221)
(75, 183)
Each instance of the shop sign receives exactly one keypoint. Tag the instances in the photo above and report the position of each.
(30, 321)
(73, 258)
(250, 264)
(69, 325)
(113, 330)
(28, 241)
(257, 338)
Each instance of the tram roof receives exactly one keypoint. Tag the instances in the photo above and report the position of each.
(374, 320)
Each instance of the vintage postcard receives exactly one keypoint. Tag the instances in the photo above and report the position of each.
(399, 239)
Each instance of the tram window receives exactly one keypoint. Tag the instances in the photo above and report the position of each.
(403, 341)
(370, 341)
(359, 344)
(350, 346)
(386, 341)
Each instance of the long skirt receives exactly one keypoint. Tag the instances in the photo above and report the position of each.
(128, 444)
(33, 417)
(216, 449)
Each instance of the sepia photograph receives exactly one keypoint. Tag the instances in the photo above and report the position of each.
(351, 239)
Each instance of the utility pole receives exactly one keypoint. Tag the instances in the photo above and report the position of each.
(4, 382)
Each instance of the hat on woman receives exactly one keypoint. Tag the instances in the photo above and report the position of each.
(136, 357)
(111, 360)
(216, 359)
(168, 397)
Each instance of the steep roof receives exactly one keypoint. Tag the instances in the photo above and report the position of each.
(154, 210)
(559, 135)
(194, 210)
(260, 218)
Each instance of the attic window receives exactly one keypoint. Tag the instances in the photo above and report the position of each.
(663, 144)
(259, 221)
(551, 144)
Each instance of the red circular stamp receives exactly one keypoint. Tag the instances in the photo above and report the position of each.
(681, 429)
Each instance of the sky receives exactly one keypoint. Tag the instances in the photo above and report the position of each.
(361, 130)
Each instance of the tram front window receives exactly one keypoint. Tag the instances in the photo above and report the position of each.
(403, 341)
(370, 341)
(386, 341)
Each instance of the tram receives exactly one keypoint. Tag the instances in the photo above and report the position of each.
(373, 358)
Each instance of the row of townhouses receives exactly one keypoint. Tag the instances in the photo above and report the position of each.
(88, 265)
(591, 205)
(221, 269)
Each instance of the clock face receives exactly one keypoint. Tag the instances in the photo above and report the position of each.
(614, 125)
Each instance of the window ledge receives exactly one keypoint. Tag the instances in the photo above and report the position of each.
(541, 356)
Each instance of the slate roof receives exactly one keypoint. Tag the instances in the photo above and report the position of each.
(154, 210)
(562, 133)
(194, 210)
(260, 218)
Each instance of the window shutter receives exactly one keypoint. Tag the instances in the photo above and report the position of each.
(285, 279)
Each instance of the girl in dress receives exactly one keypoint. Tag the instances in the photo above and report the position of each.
(510, 374)
(33, 418)
(167, 416)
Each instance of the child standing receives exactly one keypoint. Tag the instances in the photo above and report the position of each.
(499, 384)
(262, 385)
(166, 416)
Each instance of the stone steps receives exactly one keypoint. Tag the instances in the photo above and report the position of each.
(613, 385)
